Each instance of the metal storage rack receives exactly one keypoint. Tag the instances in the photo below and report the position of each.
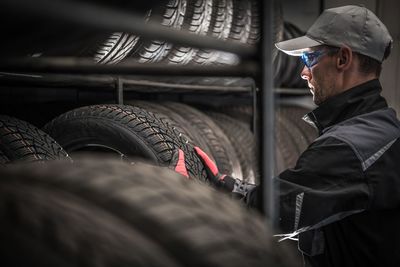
(131, 76)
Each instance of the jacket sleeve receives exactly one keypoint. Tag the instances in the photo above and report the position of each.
(326, 185)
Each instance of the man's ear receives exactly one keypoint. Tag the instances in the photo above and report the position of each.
(344, 58)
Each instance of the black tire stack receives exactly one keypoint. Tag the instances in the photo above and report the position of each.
(292, 134)
(231, 20)
(153, 131)
(243, 142)
(131, 133)
(108, 213)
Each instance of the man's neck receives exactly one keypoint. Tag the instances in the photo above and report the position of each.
(357, 79)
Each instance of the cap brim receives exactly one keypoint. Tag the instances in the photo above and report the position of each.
(296, 46)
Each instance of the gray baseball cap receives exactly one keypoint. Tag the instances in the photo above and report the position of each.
(354, 26)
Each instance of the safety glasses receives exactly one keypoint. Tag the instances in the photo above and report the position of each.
(311, 58)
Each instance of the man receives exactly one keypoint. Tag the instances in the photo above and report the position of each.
(342, 199)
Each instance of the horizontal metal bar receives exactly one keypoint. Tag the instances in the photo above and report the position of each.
(112, 19)
(131, 83)
(128, 67)
(178, 87)
(57, 80)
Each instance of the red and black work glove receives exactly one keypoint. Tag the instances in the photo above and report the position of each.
(226, 183)
(177, 163)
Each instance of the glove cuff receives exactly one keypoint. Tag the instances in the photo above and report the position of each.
(234, 186)
(242, 188)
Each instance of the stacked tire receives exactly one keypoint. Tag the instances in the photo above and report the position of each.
(152, 132)
(230, 20)
(292, 134)
(108, 213)
(127, 132)
(21, 141)
(144, 131)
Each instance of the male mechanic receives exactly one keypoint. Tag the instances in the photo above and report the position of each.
(342, 199)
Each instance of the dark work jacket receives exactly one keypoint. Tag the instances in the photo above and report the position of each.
(342, 199)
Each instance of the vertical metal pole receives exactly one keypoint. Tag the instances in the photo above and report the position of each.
(267, 114)
(254, 117)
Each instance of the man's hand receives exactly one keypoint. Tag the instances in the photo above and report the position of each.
(236, 187)
(177, 163)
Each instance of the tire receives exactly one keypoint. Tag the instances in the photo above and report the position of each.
(3, 158)
(196, 21)
(220, 25)
(246, 29)
(243, 113)
(289, 138)
(279, 160)
(294, 114)
(115, 48)
(241, 23)
(176, 121)
(118, 46)
(21, 141)
(255, 33)
(172, 16)
(219, 144)
(297, 81)
(289, 141)
(277, 56)
(58, 215)
(291, 69)
(243, 141)
(130, 132)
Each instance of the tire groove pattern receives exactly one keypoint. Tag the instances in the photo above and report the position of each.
(243, 141)
(197, 21)
(139, 128)
(220, 146)
(177, 121)
(220, 25)
(21, 141)
(156, 50)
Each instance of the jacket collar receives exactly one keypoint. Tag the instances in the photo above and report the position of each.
(358, 100)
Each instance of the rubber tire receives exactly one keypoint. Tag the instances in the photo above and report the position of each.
(133, 132)
(21, 141)
(171, 15)
(197, 21)
(118, 46)
(295, 114)
(243, 141)
(219, 144)
(292, 142)
(220, 26)
(174, 120)
(291, 69)
(108, 213)
(115, 48)
(243, 113)
(288, 147)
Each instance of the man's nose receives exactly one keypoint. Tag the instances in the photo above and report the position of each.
(306, 73)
